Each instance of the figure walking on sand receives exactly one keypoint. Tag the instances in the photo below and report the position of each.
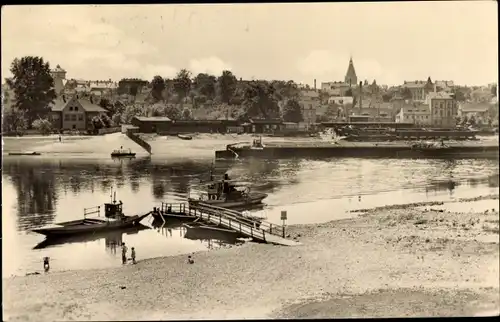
(132, 253)
(124, 253)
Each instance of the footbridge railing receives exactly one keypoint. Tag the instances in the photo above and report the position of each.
(264, 226)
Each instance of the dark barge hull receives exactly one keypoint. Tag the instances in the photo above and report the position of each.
(395, 151)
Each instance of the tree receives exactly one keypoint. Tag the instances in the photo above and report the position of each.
(157, 88)
(187, 114)
(14, 121)
(33, 86)
(226, 84)
(494, 90)
(285, 90)
(172, 112)
(97, 123)
(472, 120)
(205, 84)
(42, 125)
(117, 118)
(406, 93)
(292, 112)
(106, 121)
(260, 101)
(387, 97)
(459, 95)
(465, 120)
(182, 84)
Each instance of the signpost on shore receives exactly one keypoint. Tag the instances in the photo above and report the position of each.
(283, 217)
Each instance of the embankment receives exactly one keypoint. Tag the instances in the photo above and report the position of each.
(137, 139)
(426, 262)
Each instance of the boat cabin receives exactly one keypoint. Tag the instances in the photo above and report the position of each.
(113, 210)
(221, 190)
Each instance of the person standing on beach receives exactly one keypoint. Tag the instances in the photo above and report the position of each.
(132, 254)
(124, 253)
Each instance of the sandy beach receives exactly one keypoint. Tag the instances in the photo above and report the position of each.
(388, 262)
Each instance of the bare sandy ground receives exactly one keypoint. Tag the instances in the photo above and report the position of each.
(389, 262)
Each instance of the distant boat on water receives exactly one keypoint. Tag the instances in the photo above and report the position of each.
(122, 153)
(25, 153)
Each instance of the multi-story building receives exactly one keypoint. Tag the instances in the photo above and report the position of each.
(74, 113)
(443, 109)
(309, 102)
(419, 89)
(414, 113)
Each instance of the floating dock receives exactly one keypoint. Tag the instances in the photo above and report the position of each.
(321, 149)
(257, 230)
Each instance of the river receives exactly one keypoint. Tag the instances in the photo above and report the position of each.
(41, 191)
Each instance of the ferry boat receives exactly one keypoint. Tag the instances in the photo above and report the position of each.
(229, 194)
(122, 153)
(114, 220)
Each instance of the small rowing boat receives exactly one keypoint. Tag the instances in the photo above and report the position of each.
(184, 137)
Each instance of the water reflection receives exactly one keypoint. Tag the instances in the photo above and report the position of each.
(113, 239)
(210, 239)
(40, 184)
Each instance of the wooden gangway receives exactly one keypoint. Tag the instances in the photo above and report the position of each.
(247, 226)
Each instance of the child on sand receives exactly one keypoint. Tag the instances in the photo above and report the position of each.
(132, 251)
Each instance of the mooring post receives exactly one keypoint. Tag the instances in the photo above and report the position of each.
(240, 227)
(283, 217)
(229, 222)
(271, 228)
(251, 231)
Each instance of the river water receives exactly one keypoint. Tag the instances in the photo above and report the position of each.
(58, 186)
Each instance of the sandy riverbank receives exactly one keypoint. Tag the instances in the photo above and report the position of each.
(387, 262)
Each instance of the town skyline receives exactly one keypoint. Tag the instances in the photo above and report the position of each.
(103, 42)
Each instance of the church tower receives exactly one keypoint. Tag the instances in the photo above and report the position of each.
(59, 75)
(350, 76)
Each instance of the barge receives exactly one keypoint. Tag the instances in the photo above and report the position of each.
(343, 149)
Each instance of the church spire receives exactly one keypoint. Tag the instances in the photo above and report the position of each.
(350, 76)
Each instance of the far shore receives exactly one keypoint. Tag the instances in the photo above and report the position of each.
(388, 262)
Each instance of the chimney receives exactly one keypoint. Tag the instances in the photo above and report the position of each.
(360, 95)
(64, 98)
(314, 84)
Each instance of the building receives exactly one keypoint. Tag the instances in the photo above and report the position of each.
(478, 110)
(309, 101)
(415, 113)
(340, 100)
(340, 88)
(443, 109)
(350, 77)
(419, 89)
(74, 113)
(444, 86)
(59, 76)
(334, 88)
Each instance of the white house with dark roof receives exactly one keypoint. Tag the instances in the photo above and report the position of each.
(73, 113)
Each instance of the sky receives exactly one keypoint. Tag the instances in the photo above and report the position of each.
(388, 41)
